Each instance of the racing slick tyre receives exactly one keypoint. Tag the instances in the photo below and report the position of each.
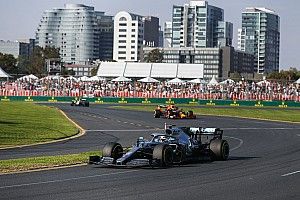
(157, 113)
(190, 114)
(219, 149)
(72, 104)
(170, 114)
(113, 150)
(87, 104)
(180, 155)
(163, 154)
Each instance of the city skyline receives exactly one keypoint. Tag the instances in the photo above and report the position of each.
(24, 18)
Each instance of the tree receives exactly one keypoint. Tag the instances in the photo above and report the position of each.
(288, 75)
(94, 71)
(65, 72)
(38, 58)
(275, 76)
(36, 62)
(8, 63)
(51, 52)
(23, 63)
(154, 56)
(235, 76)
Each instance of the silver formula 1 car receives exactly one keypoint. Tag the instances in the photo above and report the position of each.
(80, 102)
(177, 145)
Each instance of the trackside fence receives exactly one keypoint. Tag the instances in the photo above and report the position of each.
(146, 100)
(152, 94)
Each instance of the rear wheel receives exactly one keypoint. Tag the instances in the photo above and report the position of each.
(180, 155)
(219, 149)
(86, 104)
(157, 113)
(190, 114)
(163, 154)
(113, 150)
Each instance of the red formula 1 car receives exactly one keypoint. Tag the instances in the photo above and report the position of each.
(172, 112)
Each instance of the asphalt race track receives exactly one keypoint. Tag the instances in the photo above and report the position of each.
(264, 162)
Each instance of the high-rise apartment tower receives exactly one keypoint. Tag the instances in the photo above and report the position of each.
(78, 31)
(198, 24)
(260, 35)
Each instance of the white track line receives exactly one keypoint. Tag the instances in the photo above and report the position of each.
(238, 146)
(126, 130)
(292, 173)
(160, 129)
(253, 128)
(68, 179)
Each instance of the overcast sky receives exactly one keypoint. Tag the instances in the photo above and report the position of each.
(20, 18)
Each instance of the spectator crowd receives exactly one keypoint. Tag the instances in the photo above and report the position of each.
(240, 90)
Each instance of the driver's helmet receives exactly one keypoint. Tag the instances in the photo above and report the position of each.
(162, 138)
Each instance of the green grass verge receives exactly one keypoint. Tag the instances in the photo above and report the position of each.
(267, 114)
(25, 164)
(24, 123)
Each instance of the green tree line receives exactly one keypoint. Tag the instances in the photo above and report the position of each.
(34, 64)
(285, 75)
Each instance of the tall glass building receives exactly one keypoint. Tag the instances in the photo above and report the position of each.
(78, 31)
(260, 35)
(17, 48)
(168, 34)
(198, 24)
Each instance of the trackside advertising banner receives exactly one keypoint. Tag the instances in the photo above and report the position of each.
(123, 100)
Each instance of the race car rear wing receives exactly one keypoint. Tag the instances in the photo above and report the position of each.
(206, 131)
(197, 132)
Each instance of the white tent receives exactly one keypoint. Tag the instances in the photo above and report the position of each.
(197, 81)
(227, 81)
(96, 78)
(28, 77)
(298, 81)
(148, 79)
(72, 78)
(213, 81)
(31, 76)
(264, 82)
(176, 80)
(136, 70)
(3, 74)
(190, 71)
(53, 77)
(84, 78)
(154, 70)
(58, 77)
(121, 79)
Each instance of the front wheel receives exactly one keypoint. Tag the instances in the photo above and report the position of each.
(113, 150)
(163, 154)
(219, 149)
